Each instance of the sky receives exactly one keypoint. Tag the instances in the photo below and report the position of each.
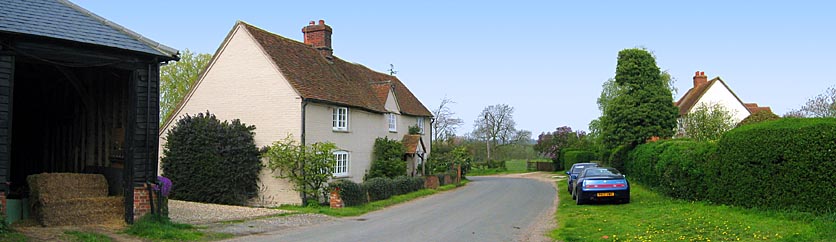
(547, 59)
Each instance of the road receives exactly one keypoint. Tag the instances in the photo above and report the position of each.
(487, 209)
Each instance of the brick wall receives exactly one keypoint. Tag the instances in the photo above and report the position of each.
(335, 200)
(142, 202)
(3, 202)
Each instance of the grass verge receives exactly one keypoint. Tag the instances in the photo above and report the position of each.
(87, 236)
(372, 206)
(654, 217)
(158, 228)
(12, 237)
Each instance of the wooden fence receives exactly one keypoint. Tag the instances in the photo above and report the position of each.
(540, 166)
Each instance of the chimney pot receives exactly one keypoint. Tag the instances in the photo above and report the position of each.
(700, 78)
(321, 22)
(312, 23)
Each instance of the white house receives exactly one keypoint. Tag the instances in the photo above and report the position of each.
(715, 91)
(286, 87)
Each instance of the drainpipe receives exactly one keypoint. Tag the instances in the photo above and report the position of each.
(302, 140)
(424, 164)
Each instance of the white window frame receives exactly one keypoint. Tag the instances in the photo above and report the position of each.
(420, 123)
(341, 168)
(393, 122)
(339, 119)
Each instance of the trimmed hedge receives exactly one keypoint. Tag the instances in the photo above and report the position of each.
(785, 163)
(677, 168)
(760, 116)
(618, 157)
(379, 188)
(351, 192)
(577, 156)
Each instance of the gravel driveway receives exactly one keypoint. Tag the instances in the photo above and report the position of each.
(205, 213)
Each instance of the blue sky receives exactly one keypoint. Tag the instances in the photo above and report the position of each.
(546, 59)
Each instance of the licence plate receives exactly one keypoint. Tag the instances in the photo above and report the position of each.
(606, 194)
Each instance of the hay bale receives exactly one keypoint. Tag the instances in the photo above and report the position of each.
(80, 211)
(47, 187)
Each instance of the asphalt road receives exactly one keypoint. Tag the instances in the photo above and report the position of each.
(487, 209)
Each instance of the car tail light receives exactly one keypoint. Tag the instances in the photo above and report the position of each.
(618, 185)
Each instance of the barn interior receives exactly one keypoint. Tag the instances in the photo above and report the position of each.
(67, 120)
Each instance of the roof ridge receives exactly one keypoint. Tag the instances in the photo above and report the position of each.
(163, 49)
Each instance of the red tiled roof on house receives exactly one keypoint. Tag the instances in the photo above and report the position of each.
(411, 142)
(701, 85)
(320, 77)
(754, 108)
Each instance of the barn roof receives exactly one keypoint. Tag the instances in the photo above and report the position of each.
(61, 19)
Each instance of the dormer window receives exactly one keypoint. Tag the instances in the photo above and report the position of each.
(339, 121)
(393, 122)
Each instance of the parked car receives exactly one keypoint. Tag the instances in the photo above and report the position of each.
(601, 184)
(574, 171)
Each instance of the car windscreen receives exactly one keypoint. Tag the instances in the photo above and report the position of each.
(609, 172)
(578, 169)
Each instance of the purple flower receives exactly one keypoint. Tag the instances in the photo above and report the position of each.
(165, 183)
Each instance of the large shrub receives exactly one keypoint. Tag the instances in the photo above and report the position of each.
(618, 157)
(351, 193)
(211, 161)
(403, 185)
(577, 156)
(677, 168)
(786, 163)
(757, 117)
(379, 188)
(388, 159)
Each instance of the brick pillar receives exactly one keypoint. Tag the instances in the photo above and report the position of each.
(3, 202)
(142, 202)
(335, 200)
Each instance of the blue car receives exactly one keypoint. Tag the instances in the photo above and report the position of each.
(573, 173)
(601, 184)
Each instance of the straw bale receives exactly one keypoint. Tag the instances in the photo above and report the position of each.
(46, 187)
(79, 211)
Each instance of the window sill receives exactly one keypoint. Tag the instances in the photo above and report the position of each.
(393, 131)
(340, 131)
(341, 176)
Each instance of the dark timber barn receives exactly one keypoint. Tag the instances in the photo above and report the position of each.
(78, 94)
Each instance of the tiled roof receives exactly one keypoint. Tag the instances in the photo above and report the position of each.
(381, 91)
(333, 81)
(62, 19)
(411, 142)
(692, 96)
(754, 108)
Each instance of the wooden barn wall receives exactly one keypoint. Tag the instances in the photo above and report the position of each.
(6, 79)
(143, 138)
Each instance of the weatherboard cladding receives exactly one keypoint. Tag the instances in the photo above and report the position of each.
(332, 80)
(64, 20)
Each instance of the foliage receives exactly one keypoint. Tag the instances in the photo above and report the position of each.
(351, 192)
(757, 117)
(653, 217)
(87, 236)
(445, 125)
(379, 188)
(496, 126)
(405, 184)
(308, 167)
(388, 159)
(781, 164)
(550, 144)
(644, 106)
(707, 122)
(823, 105)
(570, 157)
(677, 168)
(212, 161)
(414, 129)
(618, 157)
(176, 79)
(12, 237)
(157, 228)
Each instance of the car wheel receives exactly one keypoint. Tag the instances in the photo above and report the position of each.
(569, 188)
(579, 200)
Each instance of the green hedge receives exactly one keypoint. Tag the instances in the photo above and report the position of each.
(577, 156)
(677, 168)
(379, 188)
(351, 192)
(618, 157)
(786, 163)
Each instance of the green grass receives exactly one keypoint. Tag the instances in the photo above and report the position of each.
(369, 207)
(159, 228)
(87, 236)
(653, 217)
(12, 237)
(512, 166)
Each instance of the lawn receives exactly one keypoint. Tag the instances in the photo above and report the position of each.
(369, 207)
(653, 217)
(158, 228)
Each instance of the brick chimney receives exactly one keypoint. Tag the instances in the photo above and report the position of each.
(700, 78)
(319, 36)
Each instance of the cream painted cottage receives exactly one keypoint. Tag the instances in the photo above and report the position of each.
(286, 87)
(715, 91)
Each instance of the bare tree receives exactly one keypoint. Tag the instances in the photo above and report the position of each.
(445, 124)
(496, 123)
(823, 105)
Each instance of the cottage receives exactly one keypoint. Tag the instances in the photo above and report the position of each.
(78, 94)
(715, 91)
(301, 89)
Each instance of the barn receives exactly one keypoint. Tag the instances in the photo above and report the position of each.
(78, 94)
